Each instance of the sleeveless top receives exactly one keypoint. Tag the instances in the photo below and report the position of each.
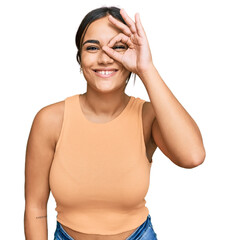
(100, 173)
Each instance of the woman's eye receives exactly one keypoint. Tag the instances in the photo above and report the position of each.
(91, 48)
(119, 47)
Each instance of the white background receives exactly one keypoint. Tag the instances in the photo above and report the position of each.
(189, 44)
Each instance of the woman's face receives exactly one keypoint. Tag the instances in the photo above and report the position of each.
(102, 72)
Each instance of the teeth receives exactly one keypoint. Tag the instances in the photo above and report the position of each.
(105, 72)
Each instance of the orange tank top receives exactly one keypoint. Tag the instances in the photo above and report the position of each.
(100, 173)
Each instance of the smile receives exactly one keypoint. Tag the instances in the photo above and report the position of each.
(105, 73)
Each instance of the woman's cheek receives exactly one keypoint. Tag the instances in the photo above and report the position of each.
(88, 61)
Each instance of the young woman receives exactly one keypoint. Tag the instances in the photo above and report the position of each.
(94, 150)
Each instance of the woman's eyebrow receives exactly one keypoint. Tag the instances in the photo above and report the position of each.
(91, 41)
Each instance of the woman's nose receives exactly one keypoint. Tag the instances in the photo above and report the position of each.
(104, 58)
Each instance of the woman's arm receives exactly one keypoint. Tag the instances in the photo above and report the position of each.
(39, 155)
(173, 130)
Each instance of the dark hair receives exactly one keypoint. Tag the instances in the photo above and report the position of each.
(91, 17)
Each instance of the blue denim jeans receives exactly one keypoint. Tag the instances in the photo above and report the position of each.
(143, 232)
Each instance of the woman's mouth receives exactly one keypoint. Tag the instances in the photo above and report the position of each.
(105, 73)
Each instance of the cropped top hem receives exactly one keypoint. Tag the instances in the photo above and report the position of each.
(105, 229)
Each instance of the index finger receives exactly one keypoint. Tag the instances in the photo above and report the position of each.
(120, 25)
(128, 20)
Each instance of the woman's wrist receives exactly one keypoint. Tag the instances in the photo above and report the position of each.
(147, 72)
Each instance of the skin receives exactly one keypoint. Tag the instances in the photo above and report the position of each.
(104, 98)
(174, 131)
(166, 124)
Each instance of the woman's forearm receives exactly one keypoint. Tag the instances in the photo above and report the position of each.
(35, 224)
(180, 132)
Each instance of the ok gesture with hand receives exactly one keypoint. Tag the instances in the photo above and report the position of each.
(137, 58)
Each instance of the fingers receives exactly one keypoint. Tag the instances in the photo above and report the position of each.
(113, 54)
(139, 27)
(128, 29)
(120, 25)
(120, 38)
(128, 20)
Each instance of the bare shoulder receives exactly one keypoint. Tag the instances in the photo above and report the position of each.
(48, 122)
(51, 118)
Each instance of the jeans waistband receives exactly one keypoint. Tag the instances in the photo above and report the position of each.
(135, 235)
